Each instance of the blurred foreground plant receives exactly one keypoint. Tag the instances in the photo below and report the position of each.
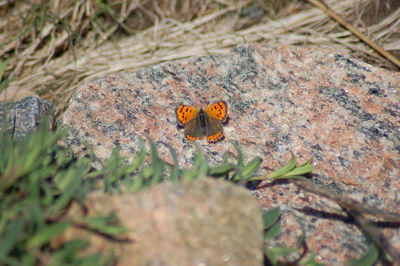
(39, 179)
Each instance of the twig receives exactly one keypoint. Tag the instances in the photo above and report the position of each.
(376, 236)
(360, 35)
(356, 210)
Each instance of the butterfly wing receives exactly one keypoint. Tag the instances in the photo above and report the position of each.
(217, 110)
(214, 129)
(185, 113)
(193, 129)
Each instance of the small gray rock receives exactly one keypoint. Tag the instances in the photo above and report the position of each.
(21, 117)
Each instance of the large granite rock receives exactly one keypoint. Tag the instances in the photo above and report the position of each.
(310, 100)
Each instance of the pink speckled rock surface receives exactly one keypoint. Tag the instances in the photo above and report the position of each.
(312, 101)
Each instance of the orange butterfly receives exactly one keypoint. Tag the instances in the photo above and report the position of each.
(199, 123)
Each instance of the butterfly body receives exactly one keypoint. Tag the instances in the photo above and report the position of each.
(199, 123)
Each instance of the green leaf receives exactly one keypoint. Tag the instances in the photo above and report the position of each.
(47, 197)
(139, 158)
(189, 175)
(200, 167)
(68, 255)
(271, 217)
(273, 253)
(251, 168)
(35, 212)
(285, 169)
(300, 171)
(137, 183)
(240, 160)
(309, 162)
(222, 169)
(106, 225)
(273, 259)
(48, 233)
(67, 177)
(203, 169)
(69, 182)
(198, 158)
(158, 172)
(10, 236)
(147, 172)
(273, 231)
(28, 260)
(174, 170)
(157, 164)
(369, 258)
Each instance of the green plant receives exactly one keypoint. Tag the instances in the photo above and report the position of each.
(39, 179)
(288, 171)
(274, 255)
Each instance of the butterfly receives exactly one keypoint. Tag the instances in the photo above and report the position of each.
(199, 123)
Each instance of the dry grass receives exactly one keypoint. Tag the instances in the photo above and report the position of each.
(54, 47)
